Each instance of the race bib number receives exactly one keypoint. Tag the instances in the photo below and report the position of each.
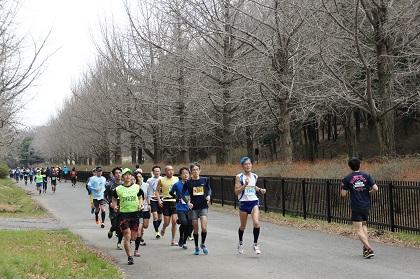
(53, 178)
(250, 190)
(198, 190)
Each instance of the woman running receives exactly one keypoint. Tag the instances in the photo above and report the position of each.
(246, 189)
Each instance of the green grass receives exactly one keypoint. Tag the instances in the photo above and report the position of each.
(50, 254)
(15, 203)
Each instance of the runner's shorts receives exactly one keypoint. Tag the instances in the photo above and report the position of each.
(247, 206)
(97, 202)
(54, 182)
(38, 185)
(169, 208)
(184, 218)
(146, 215)
(359, 216)
(195, 214)
(154, 205)
(129, 220)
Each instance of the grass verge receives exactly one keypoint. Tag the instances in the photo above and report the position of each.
(16, 203)
(50, 254)
(395, 238)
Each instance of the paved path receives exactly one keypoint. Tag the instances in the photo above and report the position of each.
(287, 252)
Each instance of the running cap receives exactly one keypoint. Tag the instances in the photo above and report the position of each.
(98, 169)
(127, 170)
(244, 159)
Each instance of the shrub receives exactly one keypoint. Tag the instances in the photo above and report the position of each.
(4, 170)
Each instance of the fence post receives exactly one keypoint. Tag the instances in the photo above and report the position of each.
(328, 202)
(211, 197)
(283, 198)
(265, 198)
(391, 207)
(234, 199)
(222, 190)
(304, 198)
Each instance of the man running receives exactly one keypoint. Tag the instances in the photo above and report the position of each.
(200, 191)
(31, 175)
(110, 187)
(144, 215)
(182, 209)
(39, 181)
(154, 205)
(97, 186)
(54, 176)
(73, 177)
(246, 189)
(26, 175)
(360, 185)
(130, 203)
(168, 202)
(44, 180)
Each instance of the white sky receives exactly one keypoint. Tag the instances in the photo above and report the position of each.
(73, 23)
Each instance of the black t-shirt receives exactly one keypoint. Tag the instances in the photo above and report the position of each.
(358, 184)
(198, 191)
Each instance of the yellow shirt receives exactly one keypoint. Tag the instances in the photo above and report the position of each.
(166, 185)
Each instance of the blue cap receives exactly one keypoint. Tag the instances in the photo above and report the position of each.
(244, 159)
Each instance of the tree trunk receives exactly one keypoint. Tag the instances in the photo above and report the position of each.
(249, 143)
(133, 149)
(285, 140)
(118, 152)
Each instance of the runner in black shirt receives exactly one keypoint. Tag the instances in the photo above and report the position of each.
(359, 185)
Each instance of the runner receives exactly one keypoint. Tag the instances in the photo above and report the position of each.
(39, 181)
(110, 187)
(44, 180)
(73, 177)
(360, 185)
(31, 175)
(92, 208)
(246, 189)
(65, 172)
(200, 191)
(97, 186)
(130, 203)
(54, 176)
(167, 202)
(26, 175)
(144, 215)
(154, 205)
(17, 175)
(182, 209)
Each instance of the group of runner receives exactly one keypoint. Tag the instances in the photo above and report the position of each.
(175, 201)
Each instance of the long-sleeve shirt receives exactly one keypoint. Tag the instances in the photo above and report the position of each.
(97, 186)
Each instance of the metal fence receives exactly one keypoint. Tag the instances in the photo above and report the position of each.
(396, 207)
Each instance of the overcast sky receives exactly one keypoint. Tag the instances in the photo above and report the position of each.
(72, 24)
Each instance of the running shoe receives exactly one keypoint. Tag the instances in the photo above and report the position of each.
(137, 253)
(102, 225)
(162, 232)
(174, 243)
(205, 249)
(157, 235)
(256, 249)
(110, 234)
(197, 251)
(130, 260)
(240, 248)
(142, 243)
(190, 238)
(119, 247)
(185, 247)
(368, 254)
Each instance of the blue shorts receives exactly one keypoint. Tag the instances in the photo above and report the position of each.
(38, 185)
(247, 206)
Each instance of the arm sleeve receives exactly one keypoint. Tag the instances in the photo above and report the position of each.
(345, 185)
(371, 181)
(208, 188)
(141, 193)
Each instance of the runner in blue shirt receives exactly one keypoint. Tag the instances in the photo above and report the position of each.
(182, 209)
(97, 186)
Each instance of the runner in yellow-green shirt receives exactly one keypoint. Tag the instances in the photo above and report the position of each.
(130, 198)
(38, 181)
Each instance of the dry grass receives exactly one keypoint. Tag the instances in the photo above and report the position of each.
(393, 238)
(407, 168)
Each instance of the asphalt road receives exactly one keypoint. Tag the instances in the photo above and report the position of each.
(286, 252)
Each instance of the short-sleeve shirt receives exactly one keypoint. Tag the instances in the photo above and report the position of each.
(128, 197)
(152, 185)
(166, 185)
(358, 184)
(97, 186)
(198, 190)
(178, 188)
(147, 193)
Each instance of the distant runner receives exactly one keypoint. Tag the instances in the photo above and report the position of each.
(73, 177)
(154, 205)
(97, 186)
(39, 181)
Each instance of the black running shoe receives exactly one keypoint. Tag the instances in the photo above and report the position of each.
(102, 225)
(109, 234)
(142, 243)
(130, 260)
(367, 254)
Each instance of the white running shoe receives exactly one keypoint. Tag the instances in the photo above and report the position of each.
(256, 249)
(240, 248)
